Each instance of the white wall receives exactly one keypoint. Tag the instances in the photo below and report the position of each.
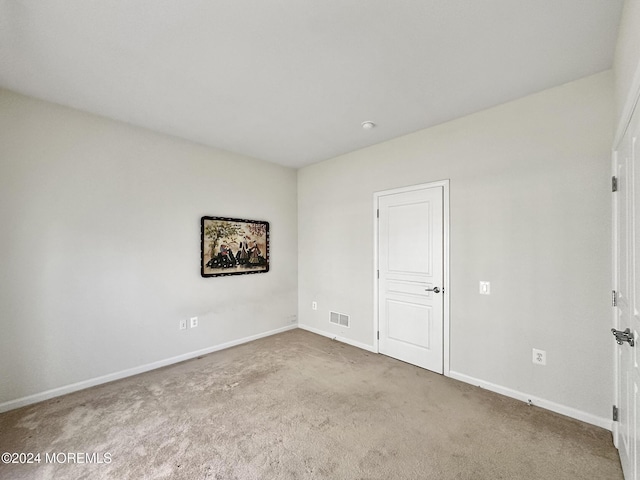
(530, 212)
(100, 241)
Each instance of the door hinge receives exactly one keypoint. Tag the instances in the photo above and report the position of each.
(378, 334)
(615, 413)
(378, 213)
(614, 184)
(614, 298)
(378, 273)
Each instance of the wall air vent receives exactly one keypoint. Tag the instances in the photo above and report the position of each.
(339, 319)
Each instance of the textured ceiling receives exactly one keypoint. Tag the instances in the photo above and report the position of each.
(290, 81)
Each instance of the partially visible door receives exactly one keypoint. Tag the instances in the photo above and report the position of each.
(627, 268)
(411, 271)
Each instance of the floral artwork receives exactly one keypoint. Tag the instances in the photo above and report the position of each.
(232, 246)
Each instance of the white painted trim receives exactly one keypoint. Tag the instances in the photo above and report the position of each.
(445, 282)
(614, 286)
(74, 387)
(538, 402)
(376, 253)
(56, 392)
(628, 110)
(332, 336)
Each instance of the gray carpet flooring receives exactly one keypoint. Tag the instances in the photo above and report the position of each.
(299, 406)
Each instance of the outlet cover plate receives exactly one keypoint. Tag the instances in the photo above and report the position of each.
(193, 322)
(485, 288)
(539, 357)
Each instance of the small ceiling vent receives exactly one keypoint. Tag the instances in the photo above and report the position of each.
(339, 319)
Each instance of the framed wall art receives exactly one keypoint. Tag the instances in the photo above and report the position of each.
(233, 246)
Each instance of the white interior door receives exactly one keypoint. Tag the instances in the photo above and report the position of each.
(627, 312)
(411, 271)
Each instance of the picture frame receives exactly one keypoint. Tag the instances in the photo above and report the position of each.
(233, 246)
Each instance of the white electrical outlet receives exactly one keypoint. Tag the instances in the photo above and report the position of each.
(182, 325)
(539, 357)
(193, 322)
(314, 305)
(485, 288)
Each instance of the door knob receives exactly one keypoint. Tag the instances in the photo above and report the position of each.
(625, 336)
(434, 290)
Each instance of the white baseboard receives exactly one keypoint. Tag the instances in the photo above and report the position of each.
(363, 346)
(602, 422)
(605, 423)
(74, 387)
(56, 392)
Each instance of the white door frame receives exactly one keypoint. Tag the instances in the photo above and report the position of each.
(631, 104)
(614, 284)
(445, 284)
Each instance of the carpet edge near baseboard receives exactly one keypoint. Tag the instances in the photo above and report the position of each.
(337, 338)
(110, 377)
(63, 390)
(565, 410)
